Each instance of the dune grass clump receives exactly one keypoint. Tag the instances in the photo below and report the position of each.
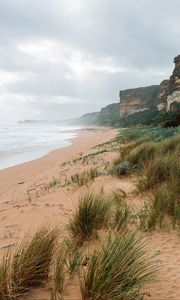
(92, 214)
(170, 145)
(142, 153)
(29, 266)
(122, 217)
(83, 178)
(118, 270)
(127, 148)
(153, 156)
(6, 286)
(143, 216)
(59, 276)
(32, 260)
(66, 265)
(73, 255)
(153, 173)
(159, 170)
(79, 179)
(166, 202)
(121, 213)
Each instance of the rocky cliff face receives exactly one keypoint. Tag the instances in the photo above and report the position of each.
(164, 97)
(138, 100)
(173, 90)
(169, 97)
(161, 99)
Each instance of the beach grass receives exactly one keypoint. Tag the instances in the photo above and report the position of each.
(92, 214)
(29, 265)
(119, 269)
(85, 177)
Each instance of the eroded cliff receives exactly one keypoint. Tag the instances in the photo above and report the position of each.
(138, 99)
(164, 97)
(169, 97)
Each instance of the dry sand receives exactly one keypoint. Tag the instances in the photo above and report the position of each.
(32, 194)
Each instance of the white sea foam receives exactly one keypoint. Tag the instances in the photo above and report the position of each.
(25, 142)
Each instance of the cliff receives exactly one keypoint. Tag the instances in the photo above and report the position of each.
(138, 100)
(169, 97)
(164, 97)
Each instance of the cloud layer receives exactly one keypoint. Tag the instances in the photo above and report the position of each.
(62, 58)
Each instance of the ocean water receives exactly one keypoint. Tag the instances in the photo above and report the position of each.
(25, 142)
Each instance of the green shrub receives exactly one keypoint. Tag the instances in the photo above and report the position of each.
(121, 169)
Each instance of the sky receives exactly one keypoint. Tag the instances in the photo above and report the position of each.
(60, 59)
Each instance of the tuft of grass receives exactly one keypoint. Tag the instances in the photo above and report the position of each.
(159, 170)
(53, 183)
(142, 153)
(122, 217)
(118, 270)
(31, 261)
(6, 286)
(83, 178)
(92, 214)
(59, 276)
(153, 173)
(143, 216)
(67, 262)
(170, 145)
(29, 266)
(78, 179)
(166, 202)
(73, 256)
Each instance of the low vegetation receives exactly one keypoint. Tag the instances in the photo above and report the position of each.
(59, 276)
(86, 176)
(118, 270)
(29, 266)
(152, 155)
(92, 214)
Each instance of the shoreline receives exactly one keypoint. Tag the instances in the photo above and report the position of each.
(70, 141)
(20, 155)
(26, 202)
(16, 180)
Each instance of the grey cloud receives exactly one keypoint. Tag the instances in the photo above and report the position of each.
(140, 36)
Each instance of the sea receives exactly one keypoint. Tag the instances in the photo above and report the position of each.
(25, 142)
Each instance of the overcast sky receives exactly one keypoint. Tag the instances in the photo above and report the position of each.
(62, 58)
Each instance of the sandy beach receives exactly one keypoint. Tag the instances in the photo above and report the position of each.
(20, 183)
(39, 192)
